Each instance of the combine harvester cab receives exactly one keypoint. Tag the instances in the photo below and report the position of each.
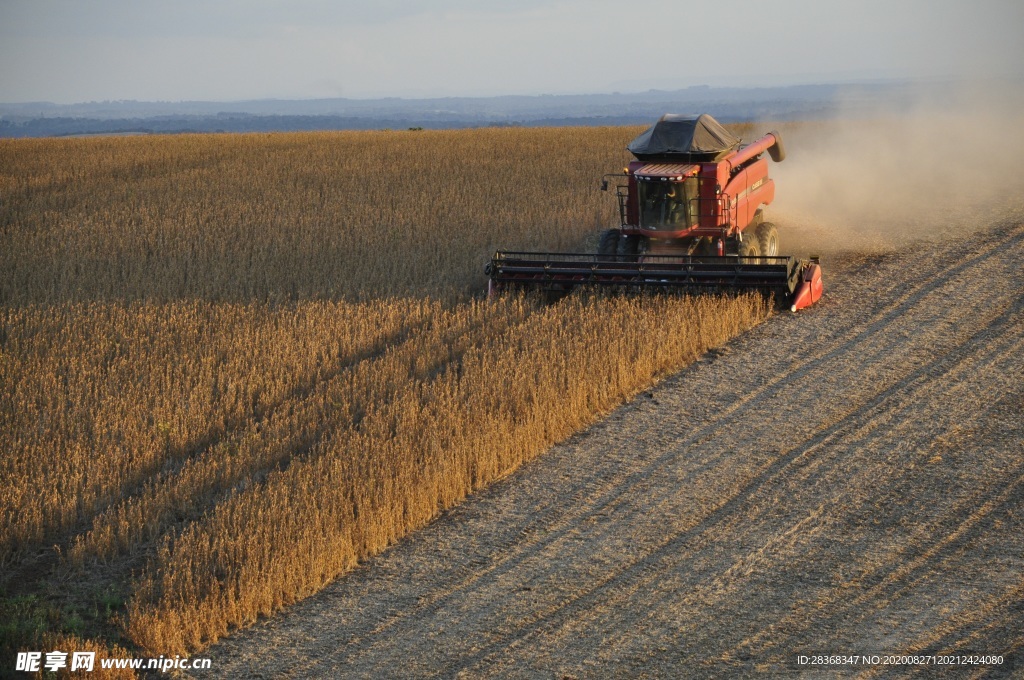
(691, 217)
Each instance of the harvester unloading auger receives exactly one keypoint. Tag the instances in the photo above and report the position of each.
(691, 217)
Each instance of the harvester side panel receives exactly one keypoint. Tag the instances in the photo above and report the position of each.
(748, 190)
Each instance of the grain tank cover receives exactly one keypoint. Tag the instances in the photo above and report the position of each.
(684, 138)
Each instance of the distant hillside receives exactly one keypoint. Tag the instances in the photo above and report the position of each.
(726, 104)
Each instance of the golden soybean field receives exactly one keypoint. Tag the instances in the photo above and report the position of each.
(234, 366)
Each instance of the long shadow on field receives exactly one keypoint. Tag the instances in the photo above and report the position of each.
(188, 507)
(176, 460)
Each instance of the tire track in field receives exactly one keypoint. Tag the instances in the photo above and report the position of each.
(896, 583)
(976, 631)
(934, 555)
(644, 573)
(560, 538)
(903, 577)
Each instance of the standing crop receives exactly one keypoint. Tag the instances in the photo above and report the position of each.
(233, 366)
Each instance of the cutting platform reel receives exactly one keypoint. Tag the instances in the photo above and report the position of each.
(794, 283)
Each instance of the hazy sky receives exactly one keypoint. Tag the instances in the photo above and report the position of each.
(68, 51)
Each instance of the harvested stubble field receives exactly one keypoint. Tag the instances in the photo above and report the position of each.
(232, 367)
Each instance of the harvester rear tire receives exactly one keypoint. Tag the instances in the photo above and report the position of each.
(608, 246)
(768, 239)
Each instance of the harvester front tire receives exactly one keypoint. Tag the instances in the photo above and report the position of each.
(629, 247)
(749, 246)
(608, 246)
(768, 239)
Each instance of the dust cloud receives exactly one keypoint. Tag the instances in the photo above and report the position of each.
(880, 181)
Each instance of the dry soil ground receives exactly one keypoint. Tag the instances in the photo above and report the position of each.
(846, 480)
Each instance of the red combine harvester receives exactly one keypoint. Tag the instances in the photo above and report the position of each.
(691, 217)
